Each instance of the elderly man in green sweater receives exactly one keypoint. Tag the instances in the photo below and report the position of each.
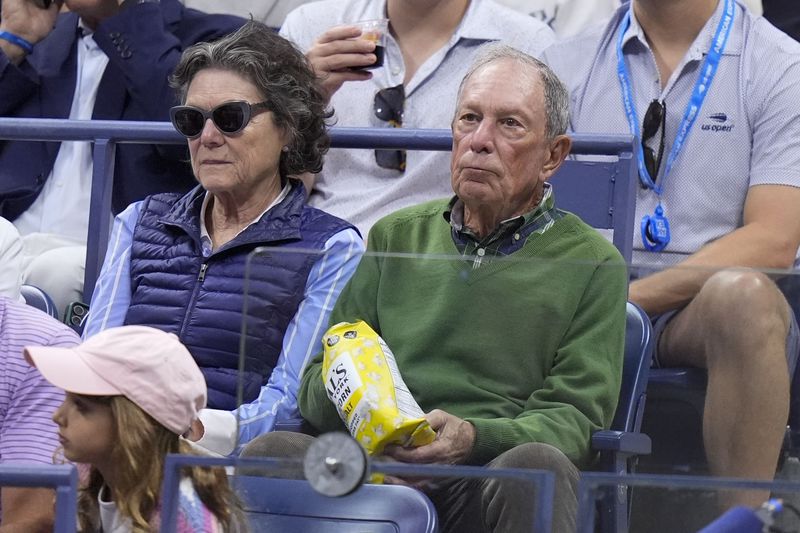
(513, 346)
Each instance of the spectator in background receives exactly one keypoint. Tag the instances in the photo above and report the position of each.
(106, 59)
(728, 183)
(27, 403)
(253, 116)
(527, 396)
(270, 12)
(10, 260)
(785, 15)
(430, 47)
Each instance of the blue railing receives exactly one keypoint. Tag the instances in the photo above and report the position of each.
(106, 134)
(61, 478)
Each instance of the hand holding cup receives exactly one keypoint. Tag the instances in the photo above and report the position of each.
(343, 53)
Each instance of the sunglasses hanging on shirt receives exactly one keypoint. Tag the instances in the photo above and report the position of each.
(654, 120)
(229, 117)
(388, 106)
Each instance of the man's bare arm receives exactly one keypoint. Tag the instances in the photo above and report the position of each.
(768, 239)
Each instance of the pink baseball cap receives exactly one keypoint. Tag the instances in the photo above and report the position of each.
(150, 367)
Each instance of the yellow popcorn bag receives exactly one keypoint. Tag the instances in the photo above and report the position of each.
(362, 380)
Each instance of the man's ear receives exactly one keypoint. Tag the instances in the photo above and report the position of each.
(559, 150)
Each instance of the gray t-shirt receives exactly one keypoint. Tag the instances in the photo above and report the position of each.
(747, 132)
(352, 186)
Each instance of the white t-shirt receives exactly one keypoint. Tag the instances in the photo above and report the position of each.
(110, 519)
(62, 206)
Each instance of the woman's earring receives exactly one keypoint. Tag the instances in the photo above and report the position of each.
(285, 148)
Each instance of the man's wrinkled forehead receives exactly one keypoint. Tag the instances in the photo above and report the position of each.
(504, 80)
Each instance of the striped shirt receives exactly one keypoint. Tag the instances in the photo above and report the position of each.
(27, 400)
(277, 401)
(747, 132)
(352, 186)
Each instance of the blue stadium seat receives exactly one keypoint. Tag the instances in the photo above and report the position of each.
(36, 297)
(620, 446)
(602, 194)
(273, 504)
(293, 505)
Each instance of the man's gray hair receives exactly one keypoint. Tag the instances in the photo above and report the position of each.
(556, 96)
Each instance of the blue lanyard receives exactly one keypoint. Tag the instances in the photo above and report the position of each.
(701, 87)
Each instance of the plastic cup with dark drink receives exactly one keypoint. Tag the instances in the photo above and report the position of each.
(375, 31)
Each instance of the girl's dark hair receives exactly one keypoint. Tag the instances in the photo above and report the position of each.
(285, 80)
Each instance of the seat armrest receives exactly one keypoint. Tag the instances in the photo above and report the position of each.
(622, 442)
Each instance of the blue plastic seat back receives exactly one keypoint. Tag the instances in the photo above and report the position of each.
(36, 297)
(620, 446)
(635, 370)
(292, 505)
(602, 194)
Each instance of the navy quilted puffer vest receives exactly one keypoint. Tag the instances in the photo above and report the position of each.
(176, 289)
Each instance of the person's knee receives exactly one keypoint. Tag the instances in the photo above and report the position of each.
(508, 503)
(743, 303)
(536, 456)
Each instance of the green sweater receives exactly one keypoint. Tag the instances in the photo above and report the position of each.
(528, 348)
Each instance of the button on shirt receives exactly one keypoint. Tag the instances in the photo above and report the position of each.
(63, 205)
(352, 186)
(747, 133)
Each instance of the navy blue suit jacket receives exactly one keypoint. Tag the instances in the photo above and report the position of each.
(143, 43)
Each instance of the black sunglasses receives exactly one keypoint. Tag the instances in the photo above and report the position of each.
(654, 119)
(388, 106)
(229, 117)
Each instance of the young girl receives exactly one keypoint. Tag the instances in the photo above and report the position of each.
(131, 392)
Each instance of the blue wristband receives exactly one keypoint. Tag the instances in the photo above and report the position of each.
(17, 40)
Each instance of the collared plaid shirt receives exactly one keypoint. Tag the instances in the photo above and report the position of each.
(508, 237)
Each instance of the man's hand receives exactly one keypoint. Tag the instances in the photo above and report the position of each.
(25, 19)
(454, 441)
(336, 53)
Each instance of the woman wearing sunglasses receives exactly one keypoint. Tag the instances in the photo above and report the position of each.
(253, 117)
